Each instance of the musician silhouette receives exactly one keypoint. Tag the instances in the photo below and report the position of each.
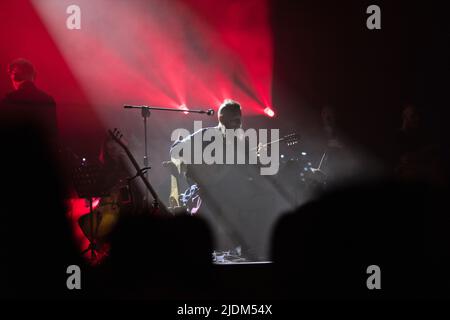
(418, 154)
(124, 196)
(26, 103)
(225, 189)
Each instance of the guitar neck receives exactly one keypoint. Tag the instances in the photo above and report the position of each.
(269, 143)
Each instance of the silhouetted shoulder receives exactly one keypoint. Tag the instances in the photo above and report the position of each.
(29, 93)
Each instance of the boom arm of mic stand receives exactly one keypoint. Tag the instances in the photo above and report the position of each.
(208, 112)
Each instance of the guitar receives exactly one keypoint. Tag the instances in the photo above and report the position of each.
(105, 216)
(158, 206)
(290, 140)
(188, 199)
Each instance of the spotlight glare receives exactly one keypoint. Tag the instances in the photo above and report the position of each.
(268, 111)
(183, 107)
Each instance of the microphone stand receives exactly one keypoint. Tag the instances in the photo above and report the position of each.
(145, 112)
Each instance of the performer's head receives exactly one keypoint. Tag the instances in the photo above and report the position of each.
(21, 70)
(111, 154)
(230, 114)
(410, 117)
(328, 116)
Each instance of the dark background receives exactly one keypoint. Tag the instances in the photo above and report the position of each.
(325, 55)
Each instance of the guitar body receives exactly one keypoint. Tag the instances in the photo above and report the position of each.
(105, 215)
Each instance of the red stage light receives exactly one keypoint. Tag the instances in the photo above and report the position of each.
(183, 107)
(269, 112)
(195, 59)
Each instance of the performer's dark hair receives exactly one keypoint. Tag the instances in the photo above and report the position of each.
(229, 105)
(24, 69)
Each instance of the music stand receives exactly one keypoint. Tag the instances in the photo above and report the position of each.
(89, 182)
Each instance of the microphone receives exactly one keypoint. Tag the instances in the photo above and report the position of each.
(208, 112)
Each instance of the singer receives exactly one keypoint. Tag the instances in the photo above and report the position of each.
(229, 116)
(225, 189)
